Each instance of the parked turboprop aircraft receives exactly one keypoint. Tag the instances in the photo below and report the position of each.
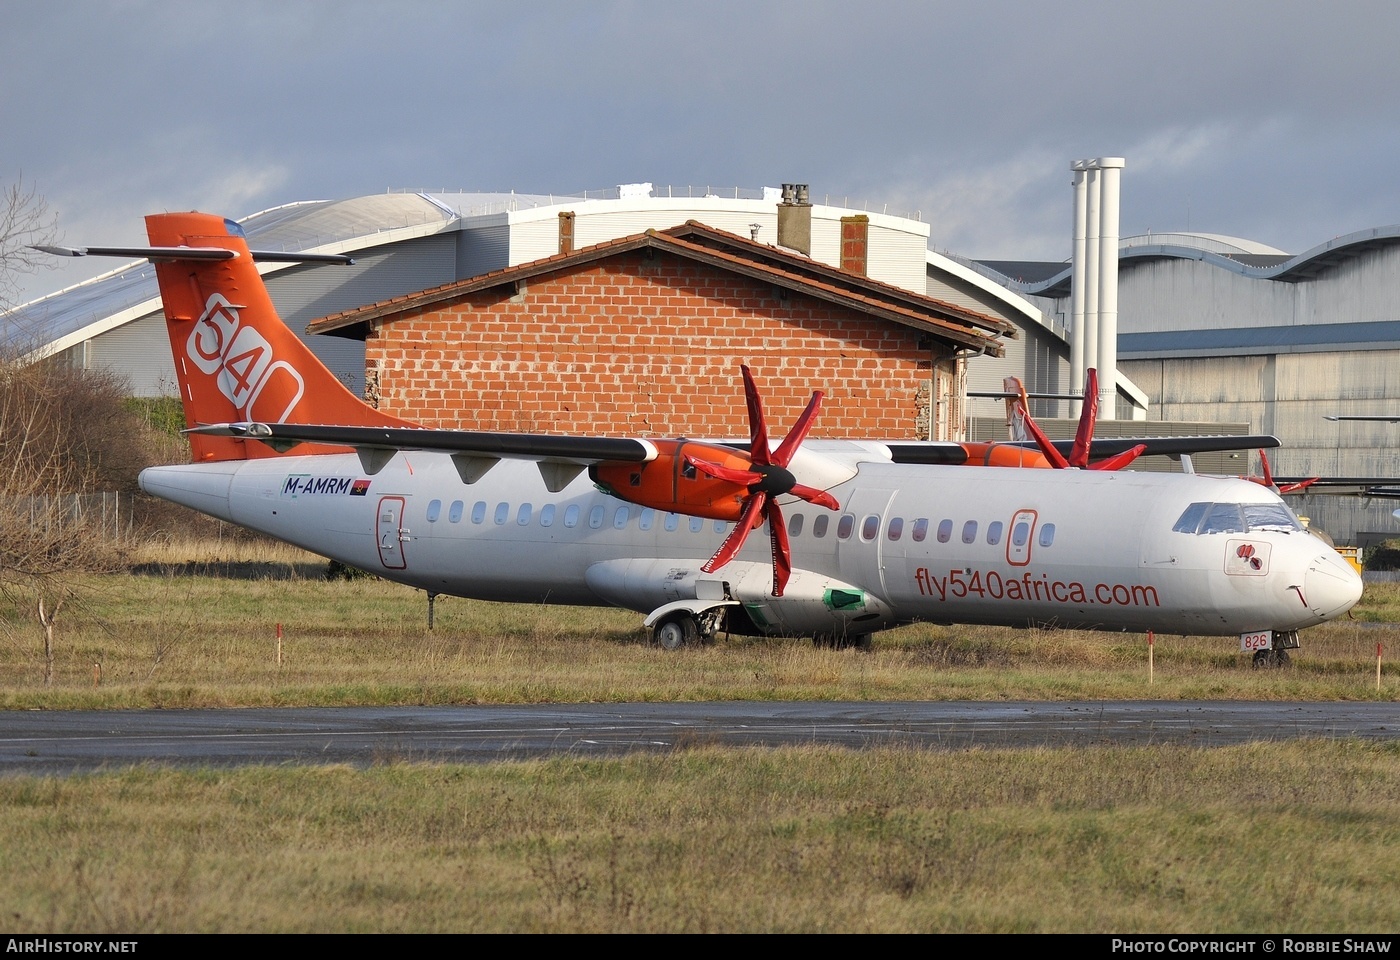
(862, 535)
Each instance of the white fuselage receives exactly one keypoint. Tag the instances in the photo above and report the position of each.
(961, 544)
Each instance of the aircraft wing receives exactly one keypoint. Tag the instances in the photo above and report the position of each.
(944, 452)
(560, 458)
(1379, 488)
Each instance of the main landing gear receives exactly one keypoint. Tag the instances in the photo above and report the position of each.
(676, 631)
(685, 629)
(1276, 658)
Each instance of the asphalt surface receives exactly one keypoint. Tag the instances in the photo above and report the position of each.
(64, 742)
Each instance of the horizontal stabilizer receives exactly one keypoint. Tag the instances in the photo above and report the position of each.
(173, 254)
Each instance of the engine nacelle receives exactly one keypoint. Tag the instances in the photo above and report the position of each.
(668, 483)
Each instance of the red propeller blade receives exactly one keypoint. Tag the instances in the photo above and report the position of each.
(751, 517)
(1057, 459)
(783, 455)
(1084, 436)
(720, 472)
(812, 495)
(758, 425)
(782, 551)
(1121, 460)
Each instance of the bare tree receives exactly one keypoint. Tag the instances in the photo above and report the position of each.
(60, 435)
(25, 220)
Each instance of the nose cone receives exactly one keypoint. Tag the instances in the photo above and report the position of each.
(1331, 586)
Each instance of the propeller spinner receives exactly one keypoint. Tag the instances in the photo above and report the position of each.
(766, 478)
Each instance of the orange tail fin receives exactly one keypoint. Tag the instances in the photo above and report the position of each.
(235, 360)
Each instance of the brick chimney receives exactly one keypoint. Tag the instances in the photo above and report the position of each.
(855, 243)
(566, 231)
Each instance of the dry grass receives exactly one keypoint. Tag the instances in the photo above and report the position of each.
(1240, 839)
(1295, 837)
(168, 637)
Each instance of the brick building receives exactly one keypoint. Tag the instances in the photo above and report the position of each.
(644, 335)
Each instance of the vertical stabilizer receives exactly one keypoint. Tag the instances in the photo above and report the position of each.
(235, 360)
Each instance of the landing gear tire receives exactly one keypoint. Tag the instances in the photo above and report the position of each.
(676, 632)
(1272, 660)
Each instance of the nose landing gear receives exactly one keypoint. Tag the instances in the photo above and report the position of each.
(1276, 657)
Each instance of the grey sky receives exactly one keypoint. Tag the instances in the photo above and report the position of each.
(1275, 121)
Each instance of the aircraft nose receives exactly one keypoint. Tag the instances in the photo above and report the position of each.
(1331, 586)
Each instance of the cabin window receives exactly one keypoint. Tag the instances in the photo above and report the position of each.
(673, 522)
(1190, 521)
(454, 513)
(920, 530)
(646, 518)
(502, 513)
(1020, 534)
(522, 516)
(819, 525)
(620, 518)
(697, 524)
(547, 515)
(994, 532)
(1223, 518)
(945, 531)
(795, 525)
(896, 528)
(595, 516)
(1047, 534)
(970, 531)
(434, 510)
(844, 526)
(571, 515)
(870, 528)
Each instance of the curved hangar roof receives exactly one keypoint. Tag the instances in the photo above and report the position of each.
(1256, 261)
(60, 320)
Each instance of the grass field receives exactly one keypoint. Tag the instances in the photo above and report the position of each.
(1298, 837)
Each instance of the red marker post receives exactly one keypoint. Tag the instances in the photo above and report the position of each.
(1149, 655)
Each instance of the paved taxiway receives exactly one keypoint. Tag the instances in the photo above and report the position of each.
(62, 742)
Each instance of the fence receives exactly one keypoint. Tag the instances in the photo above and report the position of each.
(106, 513)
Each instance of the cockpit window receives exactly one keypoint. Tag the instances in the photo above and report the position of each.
(1191, 519)
(1207, 518)
(1223, 518)
(1270, 516)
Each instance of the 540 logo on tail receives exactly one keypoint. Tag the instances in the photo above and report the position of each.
(241, 360)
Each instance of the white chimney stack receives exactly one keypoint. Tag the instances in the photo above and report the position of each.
(1094, 280)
